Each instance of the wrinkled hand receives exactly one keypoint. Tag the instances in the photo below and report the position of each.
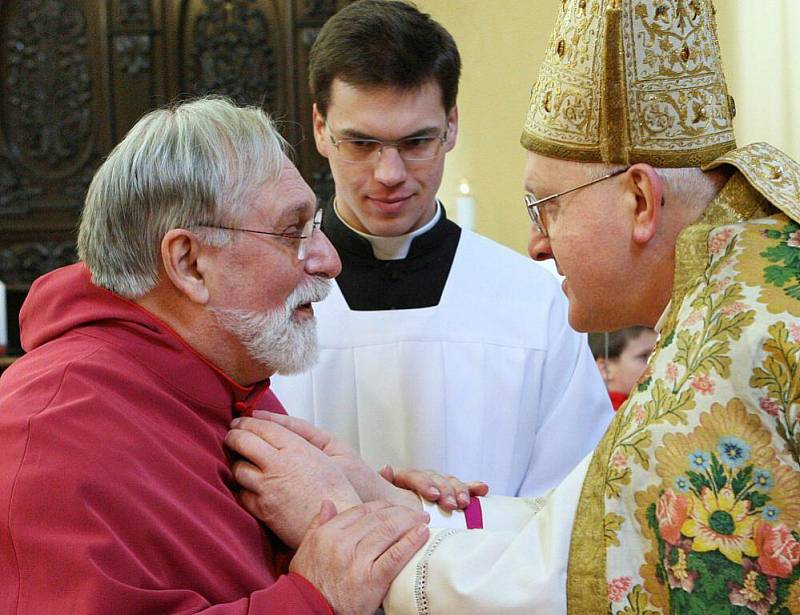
(367, 482)
(353, 557)
(284, 478)
(448, 492)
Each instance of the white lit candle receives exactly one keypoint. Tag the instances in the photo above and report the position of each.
(465, 207)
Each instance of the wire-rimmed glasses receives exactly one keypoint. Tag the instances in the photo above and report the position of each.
(302, 237)
(360, 150)
(533, 204)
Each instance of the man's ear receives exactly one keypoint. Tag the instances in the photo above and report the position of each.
(452, 129)
(648, 193)
(318, 122)
(180, 256)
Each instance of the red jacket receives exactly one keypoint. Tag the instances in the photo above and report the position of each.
(116, 494)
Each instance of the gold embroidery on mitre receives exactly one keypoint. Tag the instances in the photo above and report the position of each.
(628, 81)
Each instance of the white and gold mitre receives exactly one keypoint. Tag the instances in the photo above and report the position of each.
(627, 81)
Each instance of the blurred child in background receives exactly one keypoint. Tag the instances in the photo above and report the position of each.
(622, 359)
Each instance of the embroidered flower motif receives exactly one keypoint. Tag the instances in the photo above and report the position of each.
(794, 333)
(767, 263)
(718, 241)
(699, 460)
(770, 513)
(693, 318)
(757, 593)
(683, 484)
(719, 522)
(763, 480)
(638, 413)
(734, 452)
(778, 551)
(721, 285)
(618, 588)
(619, 460)
(769, 405)
(681, 454)
(672, 371)
(678, 574)
(734, 551)
(703, 384)
(671, 513)
(737, 307)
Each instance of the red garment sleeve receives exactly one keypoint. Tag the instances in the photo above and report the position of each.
(100, 515)
(291, 594)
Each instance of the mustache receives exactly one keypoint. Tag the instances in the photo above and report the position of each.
(314, 290)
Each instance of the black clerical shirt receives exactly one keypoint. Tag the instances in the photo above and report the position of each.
(416, 281)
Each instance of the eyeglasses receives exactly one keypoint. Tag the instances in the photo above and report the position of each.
(365, 151)
(533, 204)
(301, 238)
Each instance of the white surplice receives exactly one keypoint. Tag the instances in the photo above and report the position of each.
(517, 565)
(492, 384)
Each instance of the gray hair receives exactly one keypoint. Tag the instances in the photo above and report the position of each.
(195, 163)
(688, 185)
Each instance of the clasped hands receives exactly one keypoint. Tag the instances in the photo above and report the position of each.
(353, 528)
(289, 467)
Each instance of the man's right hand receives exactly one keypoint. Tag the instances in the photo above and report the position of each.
(353, 557)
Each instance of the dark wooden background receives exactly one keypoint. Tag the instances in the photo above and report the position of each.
(76, 74)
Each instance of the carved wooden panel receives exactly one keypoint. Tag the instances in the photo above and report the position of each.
(75, 75)
(231, 47)
(47, 106)
(47, 87)
(22, 263)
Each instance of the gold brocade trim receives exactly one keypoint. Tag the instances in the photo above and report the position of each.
(614, 138)
(562, 152)
(774, 174)
(587, 590)
(658, 159)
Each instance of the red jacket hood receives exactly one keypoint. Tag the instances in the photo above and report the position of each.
(66, 299)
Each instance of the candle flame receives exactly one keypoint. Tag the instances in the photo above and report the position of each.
(463, 186)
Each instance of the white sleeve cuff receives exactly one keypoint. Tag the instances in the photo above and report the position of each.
(443, 519)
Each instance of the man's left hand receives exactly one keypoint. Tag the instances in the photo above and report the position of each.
(367, 482)
(285, 479)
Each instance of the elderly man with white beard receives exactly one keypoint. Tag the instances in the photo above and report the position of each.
(201, 256)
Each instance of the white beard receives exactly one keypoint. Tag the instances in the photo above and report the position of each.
(274, 339)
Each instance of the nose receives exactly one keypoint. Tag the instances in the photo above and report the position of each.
(390, 169)
(538, 245)
(321, 257)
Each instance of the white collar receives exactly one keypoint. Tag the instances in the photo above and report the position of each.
(393, 248)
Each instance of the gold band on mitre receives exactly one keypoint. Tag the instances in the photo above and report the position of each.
(626, 81)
